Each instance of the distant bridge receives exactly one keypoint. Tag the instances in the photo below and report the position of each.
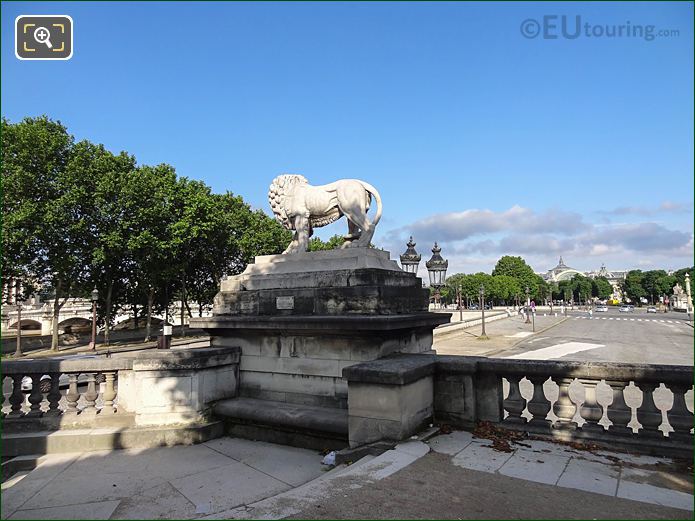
(75, 316)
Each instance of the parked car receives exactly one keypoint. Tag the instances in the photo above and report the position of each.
(601, 309)
(473, 306)
(626, 309)
(651, 309)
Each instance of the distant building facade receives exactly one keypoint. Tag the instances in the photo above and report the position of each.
(564, 272)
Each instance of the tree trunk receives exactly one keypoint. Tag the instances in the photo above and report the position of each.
(57, 305)
(148, 326)
(183, 299)
(135, 316)
(107, 321)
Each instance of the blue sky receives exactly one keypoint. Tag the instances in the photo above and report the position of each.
(476, 136)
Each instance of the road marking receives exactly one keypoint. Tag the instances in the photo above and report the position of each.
(632, 319)
(520, 334)
(610, 318)
(537, 339)
(662, 321)
(556, 351)
(603, 318)
(639, 320)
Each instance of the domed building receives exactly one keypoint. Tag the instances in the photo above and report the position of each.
(564, 272)
(561, 272)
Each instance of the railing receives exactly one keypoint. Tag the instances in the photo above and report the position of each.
(90, 384)
(629, 404)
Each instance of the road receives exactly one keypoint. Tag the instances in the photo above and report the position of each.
(639, 337)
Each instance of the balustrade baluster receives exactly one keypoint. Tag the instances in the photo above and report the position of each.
(73, 394)
(591, 410)
(647, 413)
(618, 411)
(564, 408)
(4, 398)
(90, 396)
(539, 406)
(514, 403)
(36, 396)
(54, 396)
(109, 394)
(680, 418)
(17, 397)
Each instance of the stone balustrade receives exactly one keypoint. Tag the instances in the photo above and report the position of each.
(630, 405)
(595, 401)
(60, 392)
(136, 389)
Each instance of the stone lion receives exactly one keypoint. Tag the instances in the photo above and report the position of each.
(301, 207)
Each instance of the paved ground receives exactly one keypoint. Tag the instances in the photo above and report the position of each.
(177, 482)
(238, 479)
(503, 335)
(438, 486)
(664, 338)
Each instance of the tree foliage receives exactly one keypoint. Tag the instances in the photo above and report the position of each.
(76, 216)
(517, 268)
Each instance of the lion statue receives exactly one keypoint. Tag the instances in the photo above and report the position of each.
(301, 207)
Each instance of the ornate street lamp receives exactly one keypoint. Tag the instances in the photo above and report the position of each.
(481, 292)
(528, 306)
(95, 297)
(436, 267)
(19, 301)
(410, 260)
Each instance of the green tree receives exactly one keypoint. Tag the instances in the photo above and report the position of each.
(147, 198)
(44, 206)
(102, 174)
(517, 268)
(632, 286)
(581, 287)
(601, 288)
(333, 243)
(679, 276)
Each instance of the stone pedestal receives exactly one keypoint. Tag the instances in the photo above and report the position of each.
(300, 319)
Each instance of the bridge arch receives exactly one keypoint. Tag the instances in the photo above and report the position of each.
(75, 325)
(27, 325)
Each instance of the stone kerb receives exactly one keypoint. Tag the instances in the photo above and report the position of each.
(178, 386)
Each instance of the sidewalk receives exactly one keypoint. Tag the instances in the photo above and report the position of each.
(102, 349)
(503, 334)
(462, 477)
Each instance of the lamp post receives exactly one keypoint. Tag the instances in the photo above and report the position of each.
(550, 288)
(460, 295)
(481, 292)
(18, 351)
(95, 297)
(437, 267)
(528, 306)
(410, 260)
(689, 304)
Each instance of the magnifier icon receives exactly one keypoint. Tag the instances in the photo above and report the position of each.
(43, 35)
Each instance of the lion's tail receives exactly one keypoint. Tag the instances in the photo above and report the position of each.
(377, 198)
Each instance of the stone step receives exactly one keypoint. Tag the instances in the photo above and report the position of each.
(21, 463)
(87, 440)
(287, 423)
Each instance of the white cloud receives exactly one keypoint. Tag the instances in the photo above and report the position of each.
(474, 239)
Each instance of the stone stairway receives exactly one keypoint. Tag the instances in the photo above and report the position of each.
(293, 424)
